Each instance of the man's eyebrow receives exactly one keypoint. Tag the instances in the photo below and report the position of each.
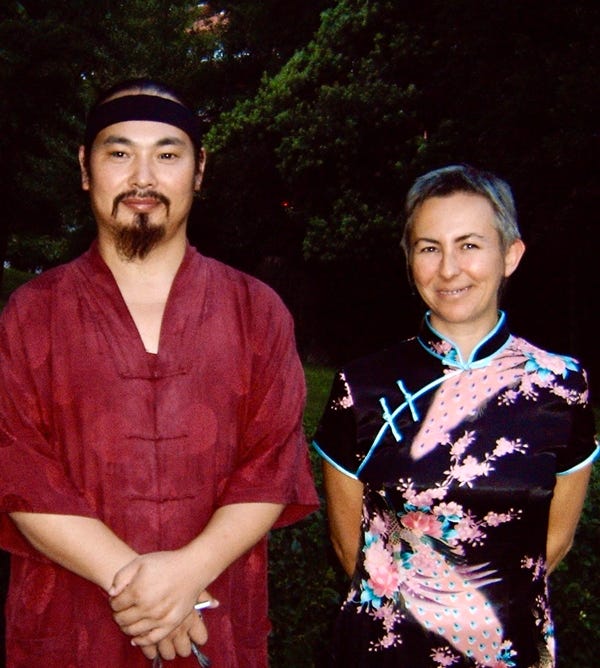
(115, 139)
(165, 141)
(170, 141)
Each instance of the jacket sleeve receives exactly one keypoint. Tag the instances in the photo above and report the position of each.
(33, 476)
(273, 463)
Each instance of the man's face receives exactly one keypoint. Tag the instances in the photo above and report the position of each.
(141, 176)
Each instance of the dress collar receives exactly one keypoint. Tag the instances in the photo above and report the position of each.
(448, 352)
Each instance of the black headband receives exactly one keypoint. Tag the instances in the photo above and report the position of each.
(142, 108)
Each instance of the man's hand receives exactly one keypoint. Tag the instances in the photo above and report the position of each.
(179, 641)
(153, 594)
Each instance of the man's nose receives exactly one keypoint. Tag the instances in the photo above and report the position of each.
(143, 175)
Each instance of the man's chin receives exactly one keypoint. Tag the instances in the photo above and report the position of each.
(135, 243)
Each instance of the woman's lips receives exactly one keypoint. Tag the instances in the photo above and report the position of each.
(452, 293)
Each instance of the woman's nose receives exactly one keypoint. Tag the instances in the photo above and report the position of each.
(449, 265)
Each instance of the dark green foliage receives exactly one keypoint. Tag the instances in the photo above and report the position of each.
(336, 113)
(304, 588)
(575, 590)
(12, 279)
(304, 581)
(53, 59)
(386, 90)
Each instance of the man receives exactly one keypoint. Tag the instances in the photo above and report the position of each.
(150, 422)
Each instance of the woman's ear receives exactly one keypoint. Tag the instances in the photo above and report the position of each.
(513, 256)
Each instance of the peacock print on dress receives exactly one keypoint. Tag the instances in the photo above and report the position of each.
(458, 459)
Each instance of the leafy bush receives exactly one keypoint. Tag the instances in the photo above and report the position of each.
(575, 590)
(304, 580)
(11, 279)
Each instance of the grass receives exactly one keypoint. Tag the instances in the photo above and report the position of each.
(318, 384)
(11, 279)
(304, 583)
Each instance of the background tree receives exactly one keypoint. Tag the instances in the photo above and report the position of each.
(37, 112)
(54, 58)
(313, 169)
(322, 113)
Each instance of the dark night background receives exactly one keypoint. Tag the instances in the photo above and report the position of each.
(319, 114)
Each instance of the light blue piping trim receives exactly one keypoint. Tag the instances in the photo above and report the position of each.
(409, 398)
(583, 464)
(501, 320)
(389, 417)
(334, 464)
(469, 364)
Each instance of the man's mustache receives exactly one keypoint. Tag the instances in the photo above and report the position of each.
(140, 194)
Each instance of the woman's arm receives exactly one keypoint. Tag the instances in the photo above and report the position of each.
(565, 510)
(344, 497)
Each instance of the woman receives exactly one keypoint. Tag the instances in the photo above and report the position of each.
(457, 462)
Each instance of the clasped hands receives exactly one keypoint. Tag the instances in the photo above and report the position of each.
(153, 599)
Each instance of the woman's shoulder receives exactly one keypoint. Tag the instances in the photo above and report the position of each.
(552, 366)
(390, 356)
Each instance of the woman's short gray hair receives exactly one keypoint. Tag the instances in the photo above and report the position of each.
(463, 178)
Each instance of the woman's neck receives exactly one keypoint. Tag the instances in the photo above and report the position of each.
(465, 335)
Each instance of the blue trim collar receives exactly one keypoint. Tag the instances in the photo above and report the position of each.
(448, 352)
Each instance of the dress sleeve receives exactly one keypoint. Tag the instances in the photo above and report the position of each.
(33, 477)
(336, 436)
(273, 463)
(581, 448)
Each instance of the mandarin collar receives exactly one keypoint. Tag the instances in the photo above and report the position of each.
(448, 352)
(184, 311)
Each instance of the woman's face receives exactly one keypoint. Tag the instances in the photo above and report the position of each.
(458, 262)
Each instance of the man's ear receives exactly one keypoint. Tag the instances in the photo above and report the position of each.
(85, 176)
(200, 171)
(513, 256)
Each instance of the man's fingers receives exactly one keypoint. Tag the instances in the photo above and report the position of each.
(182, 644)
(151, 637)
(130, 617)
(122, 602)
(123, 578)
(149, 651)
(167, 649)
(147, 618)
(198, 632)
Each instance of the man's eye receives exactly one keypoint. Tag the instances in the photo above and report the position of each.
(117, 154)
(168, 156)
